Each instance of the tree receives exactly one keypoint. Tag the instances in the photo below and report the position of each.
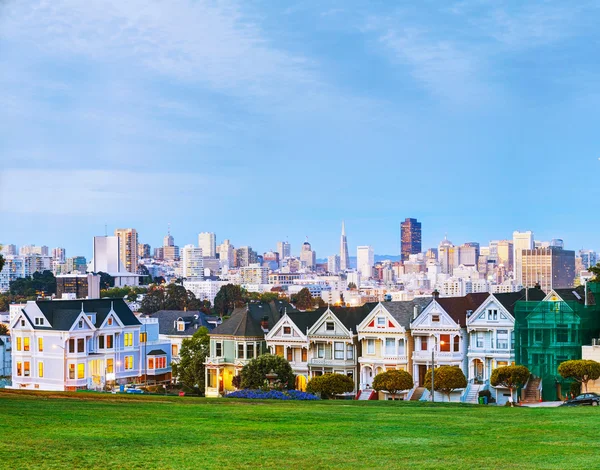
(595, 270)
(38, 283)
(254, 373)
(1, 260)
(329, 385)
(3, 329)
(228, 298)
(193, 353)
(511, 377)
(447, 379)
(153, 301)
(106, 280)
(582, 370)
(304, 300)
(351, 286)
(393, 381)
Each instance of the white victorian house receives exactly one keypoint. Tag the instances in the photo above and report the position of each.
(440, 334)
(385, 339)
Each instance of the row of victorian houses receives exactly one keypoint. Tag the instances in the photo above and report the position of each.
(475, 333)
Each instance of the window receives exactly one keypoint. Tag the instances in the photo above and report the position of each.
(150, 363)
(161, 362)
(128, 339)
(390, 346)
(19, 343)
(457, 344)
(538, 334)
(338, 351)
(81, 370)
(40, 344)
(330, 326)
(26, 343)
(250, 351)
(128, 362)
(109, 322)
(400, 347)
(479, 339)
(22, 322)
(320, 350)
(380, 322)
(40, 369)
(370, 346)
(502, 339)
(423, 343)
(109, 341)
(287, 330)
(435, 318)
(304, 355)
(218, 349)
(349, 351)
(72, 346)
(101, 342)
(26, 369)
(492, 314)
(290, 354)
(143, 337)
(279, 351)
(19, 369)
(180, 325)
(110, 366)
(71, 371)
(80, 345)
(39, 321)
(174, 350)
(562, 334)
(80, 324)
(241, 351)
(444, 343)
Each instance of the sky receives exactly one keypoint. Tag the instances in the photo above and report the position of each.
(262, 121)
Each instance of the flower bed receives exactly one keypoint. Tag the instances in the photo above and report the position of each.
(272, 395)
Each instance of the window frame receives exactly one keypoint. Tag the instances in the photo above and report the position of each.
(370, 346)
(339, 350)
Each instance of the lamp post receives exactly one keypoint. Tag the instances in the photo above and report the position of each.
(433, 366)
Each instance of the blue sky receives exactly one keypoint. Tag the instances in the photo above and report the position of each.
(265, 120)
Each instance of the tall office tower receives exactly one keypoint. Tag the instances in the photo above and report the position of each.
(365, 259)
(168, 240)
(59, 255)
(344, 258)
(226, 255)
(446, 256)
(504, 254)
(283, 248)
(308, 256)
(589, 258)
(467, 254)
(432, 253)
(9, 250)
(333, 264)
(521, 241)
(493, 250)
(271, 260)
(208, 242)
(245, 256)
(410, 238)
(143, 250)
(552, 268)
(170, 252)
(76, 264)
(192, 266)
(128, 248)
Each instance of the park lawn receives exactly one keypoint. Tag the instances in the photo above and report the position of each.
(84, 430)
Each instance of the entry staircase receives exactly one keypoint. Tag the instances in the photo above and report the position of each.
(417, 394)
(532, 391)
(472, 395)
(365, 394)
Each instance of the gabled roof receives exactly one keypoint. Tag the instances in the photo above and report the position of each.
(61, 314)
(193, 319)
(457, 307)
(304, 320)
(576, 295)
(350, 317)
(403, 311)
(245, 321)
(509, 300)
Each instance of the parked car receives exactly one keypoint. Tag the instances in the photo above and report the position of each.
(133, 389)
(589, 399)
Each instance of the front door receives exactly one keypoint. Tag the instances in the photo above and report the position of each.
(422, 373)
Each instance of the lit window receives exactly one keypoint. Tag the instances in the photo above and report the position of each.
(40, 369)
(71, 371)
(19, 369)
(26, 344)
(330, 326)
(109, 341)
(424, 343)
(143, 337)
(290, 354)
(287, 330)
(435, 318)
(110, 321)
(279, 351)
(445, 343)
(81, 371)
(128, 362)
(19, 343)
(150, 363)
(128, 339)
(370, 346)
(40, 344)
(109, 366)
(26, 369)
(338, 351)
(174, 350)
(304, 355)
(180, 325)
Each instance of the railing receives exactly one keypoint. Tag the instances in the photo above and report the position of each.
(463, 397)
(426, 355)
(331, 362)
(216, 360)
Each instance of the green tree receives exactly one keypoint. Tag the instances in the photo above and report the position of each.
(3, 329)
(254, 373)
(304, 300)
(393, 381)
(176, 297)
(511, 377)
(106, 280)
(329, 385)
(595, 270)
(193, 353)
(447, 379)
(153, 301)
(1, 260)
(582, 370)
(228, 298)
(39, 283)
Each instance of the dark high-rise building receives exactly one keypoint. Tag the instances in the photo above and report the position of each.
(410, 237)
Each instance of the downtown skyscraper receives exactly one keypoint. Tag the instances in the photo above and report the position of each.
(410, 238)
(344, 258)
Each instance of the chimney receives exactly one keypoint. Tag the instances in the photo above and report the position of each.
(537, 285)
(435, 294)
(264, 323)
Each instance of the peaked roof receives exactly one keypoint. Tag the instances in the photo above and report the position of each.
(509, 300)
(576, 295)
(304, 320)
(245, 321)
(350, 317)
(457, 307)
(403, 311)
(193, 320)
(61, 314)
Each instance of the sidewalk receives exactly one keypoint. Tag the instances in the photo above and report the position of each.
(544, 404)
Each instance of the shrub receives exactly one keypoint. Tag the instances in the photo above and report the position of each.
(329, 385)
(510, 377)
(575, 388)
(582, 370)
(446, 379)
(393, 381)
(254, 374)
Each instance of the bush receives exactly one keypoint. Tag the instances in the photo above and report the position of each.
(446, 379)
(582, 370)
(329, 385)
(271, 395)
(254, 374)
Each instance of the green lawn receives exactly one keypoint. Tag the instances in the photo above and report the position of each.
(81, 430)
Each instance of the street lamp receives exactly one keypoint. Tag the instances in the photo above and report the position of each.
(433, 366)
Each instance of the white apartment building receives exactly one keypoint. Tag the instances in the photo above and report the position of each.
(204, 290)
(521, 241)
(208, 242)
(192, 265)
(365, 259)
(254, 274)
(333, 264)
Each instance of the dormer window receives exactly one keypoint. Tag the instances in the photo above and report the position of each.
(287, 330)
(435, 318)
(39, 321)
(180, 325)
(330, 326)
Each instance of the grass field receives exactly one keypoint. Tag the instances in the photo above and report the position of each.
(81, 430)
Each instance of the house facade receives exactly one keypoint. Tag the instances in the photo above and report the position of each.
(5, 356)
(83, 344)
